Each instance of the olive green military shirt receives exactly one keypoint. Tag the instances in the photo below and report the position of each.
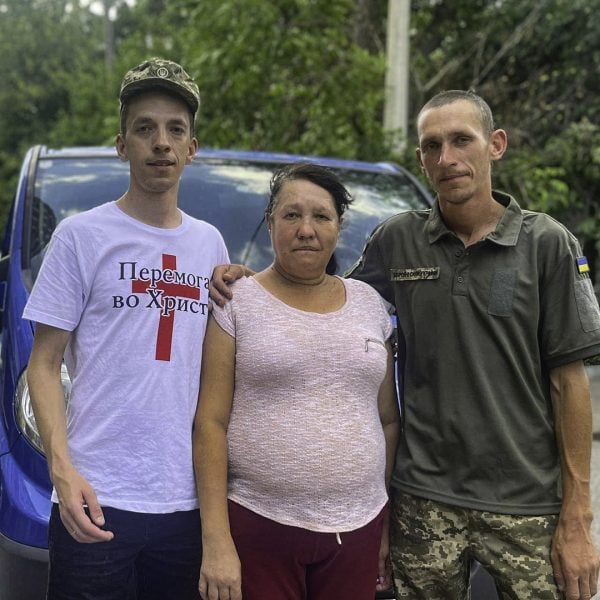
(480, 327)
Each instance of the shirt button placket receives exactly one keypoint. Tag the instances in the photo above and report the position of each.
(459, 284)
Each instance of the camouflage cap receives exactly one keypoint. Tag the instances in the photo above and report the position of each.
(159, 72)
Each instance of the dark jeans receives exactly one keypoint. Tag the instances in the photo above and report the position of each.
(151, 557)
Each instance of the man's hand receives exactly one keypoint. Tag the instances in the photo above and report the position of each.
(80, 511)
(223, 276)
(575, 559)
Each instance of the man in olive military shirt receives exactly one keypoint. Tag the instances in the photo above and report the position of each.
(496, 313)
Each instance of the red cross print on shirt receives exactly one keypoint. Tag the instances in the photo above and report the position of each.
(164, 337)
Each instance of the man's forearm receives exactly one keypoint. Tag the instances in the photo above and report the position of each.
(574, 556)
(573, 425)
(48, 401)
(47, 395)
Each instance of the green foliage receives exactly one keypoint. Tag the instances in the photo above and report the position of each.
(307, 76)
(36, 70)
(562, 179)
(305, 86)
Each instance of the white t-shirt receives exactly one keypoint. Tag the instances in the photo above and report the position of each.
(135, 298)
(306, 445)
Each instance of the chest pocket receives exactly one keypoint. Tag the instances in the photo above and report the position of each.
(502, 292)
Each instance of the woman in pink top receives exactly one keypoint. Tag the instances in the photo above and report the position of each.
(297, 422)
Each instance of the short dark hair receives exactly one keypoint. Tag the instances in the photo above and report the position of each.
(319, 175)
(126, 102)
(449, 96)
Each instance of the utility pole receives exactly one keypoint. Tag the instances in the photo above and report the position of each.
(395, 117)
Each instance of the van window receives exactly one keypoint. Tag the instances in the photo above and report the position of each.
(229, 194)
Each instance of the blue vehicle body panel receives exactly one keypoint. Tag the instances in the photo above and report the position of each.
(24, 506)
(24, 481)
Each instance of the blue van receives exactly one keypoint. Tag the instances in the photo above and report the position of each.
(225, 188)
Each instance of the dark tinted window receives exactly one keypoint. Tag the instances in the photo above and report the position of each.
(230, 194)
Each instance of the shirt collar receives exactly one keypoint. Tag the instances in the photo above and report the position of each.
(505, 234)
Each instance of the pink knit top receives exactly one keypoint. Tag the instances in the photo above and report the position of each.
(306, 446)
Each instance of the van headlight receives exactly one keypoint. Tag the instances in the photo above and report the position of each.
(24, 410)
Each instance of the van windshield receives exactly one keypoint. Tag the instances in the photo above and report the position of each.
(230, 194)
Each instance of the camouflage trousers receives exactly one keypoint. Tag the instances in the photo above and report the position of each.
(432, 545)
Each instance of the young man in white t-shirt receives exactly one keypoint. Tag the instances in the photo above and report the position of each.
(123, 297)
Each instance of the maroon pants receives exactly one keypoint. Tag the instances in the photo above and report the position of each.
(280, 562)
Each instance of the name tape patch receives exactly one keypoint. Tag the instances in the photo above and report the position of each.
(415, 274)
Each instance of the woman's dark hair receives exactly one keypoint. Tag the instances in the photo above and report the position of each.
(323, 177)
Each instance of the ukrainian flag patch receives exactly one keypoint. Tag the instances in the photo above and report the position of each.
(582, 265)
